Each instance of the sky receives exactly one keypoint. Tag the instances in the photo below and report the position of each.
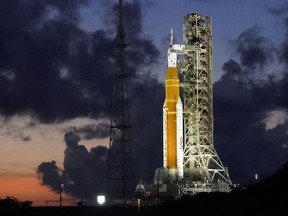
(56, 79)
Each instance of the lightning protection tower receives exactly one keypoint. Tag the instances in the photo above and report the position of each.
(120, 179)
(203, 169)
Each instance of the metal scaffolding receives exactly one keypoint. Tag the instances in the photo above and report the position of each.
(120, 178)
(203, 169)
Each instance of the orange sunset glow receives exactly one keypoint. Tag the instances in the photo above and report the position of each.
(28, 188)
(77, 111)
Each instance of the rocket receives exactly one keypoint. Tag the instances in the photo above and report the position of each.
(173, 118)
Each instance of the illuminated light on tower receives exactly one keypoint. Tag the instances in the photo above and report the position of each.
(120, 178)
(60, 194)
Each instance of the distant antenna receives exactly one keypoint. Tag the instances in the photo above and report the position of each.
(120, 179)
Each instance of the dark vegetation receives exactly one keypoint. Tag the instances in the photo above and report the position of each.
(12, 206)
(12, 202)
(267, 196)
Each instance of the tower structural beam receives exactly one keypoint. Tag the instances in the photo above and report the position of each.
(120, 175)
(203, 168)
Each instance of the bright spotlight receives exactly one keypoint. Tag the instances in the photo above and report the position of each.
(100, 199)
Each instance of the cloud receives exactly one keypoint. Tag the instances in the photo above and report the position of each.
(85, 89)
(84, 171)
(93, 131)
(243, 98)
(58, 76)
(47, 62)
(252, 49)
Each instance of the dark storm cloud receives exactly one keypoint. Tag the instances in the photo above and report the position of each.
(93, 131)
(48, 63)
(86, 84)
(243, 98)
(141, 52)
(232, 67)
(147, 128)
(279, 10)
(50, 174)
(251, 48)
(53, 70)
(84, 171)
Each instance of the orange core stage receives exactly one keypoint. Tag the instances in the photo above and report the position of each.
(172, 94)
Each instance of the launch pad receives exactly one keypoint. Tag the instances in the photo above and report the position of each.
(190, 161)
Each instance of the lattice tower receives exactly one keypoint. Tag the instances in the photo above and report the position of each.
(203, 169)
(120, 178)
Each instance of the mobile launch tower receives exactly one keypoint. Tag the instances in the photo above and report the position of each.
(190, 161)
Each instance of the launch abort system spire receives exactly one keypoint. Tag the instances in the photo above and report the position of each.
(120, 179)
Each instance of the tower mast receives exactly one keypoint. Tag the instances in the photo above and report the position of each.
(203, 168)
(120, 180)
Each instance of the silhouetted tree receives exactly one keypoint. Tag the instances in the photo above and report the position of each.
(12, 202)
